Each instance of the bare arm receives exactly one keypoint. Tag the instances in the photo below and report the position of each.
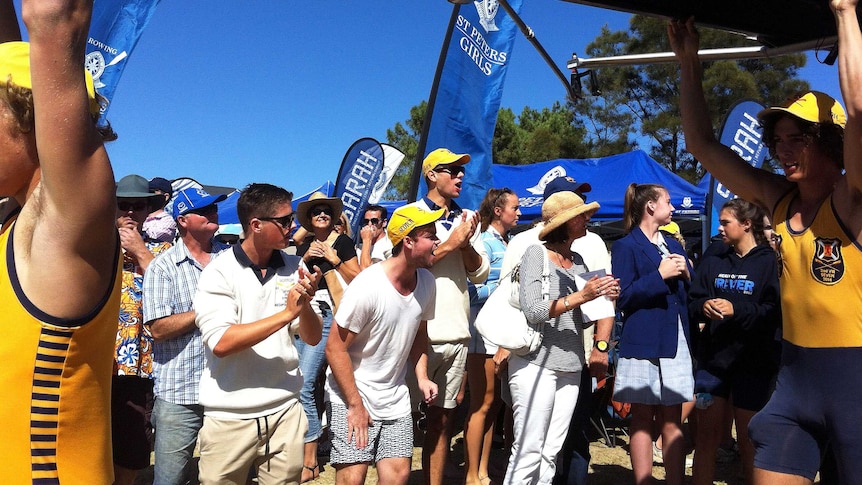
(599, 360)
(358, 419)
(419, 359)
(9, 28)
(367, 233)
(70, 218)
(172, 326)
(850, 79)
(737, 175)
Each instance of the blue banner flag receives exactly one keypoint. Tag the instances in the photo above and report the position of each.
(744, 135)
(115, 29)
(468, 97)
(357, 177)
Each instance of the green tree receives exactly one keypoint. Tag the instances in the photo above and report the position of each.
(647, 97)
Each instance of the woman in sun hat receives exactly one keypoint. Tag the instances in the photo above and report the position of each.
(545, 384)
(335, 253)
(654, 372)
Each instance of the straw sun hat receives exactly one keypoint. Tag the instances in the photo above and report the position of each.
(317, 198)
(559, 208)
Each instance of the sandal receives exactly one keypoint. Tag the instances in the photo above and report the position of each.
(315, 472)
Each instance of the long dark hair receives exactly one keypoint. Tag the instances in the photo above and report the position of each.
(637, 196)
(744, 210)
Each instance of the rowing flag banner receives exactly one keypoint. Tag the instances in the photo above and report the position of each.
(359, 172)
(115, 29)
(744, 135)
(392, 158)
(469, 92)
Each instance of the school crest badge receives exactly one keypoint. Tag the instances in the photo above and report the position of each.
(487, 10)
(827, 265)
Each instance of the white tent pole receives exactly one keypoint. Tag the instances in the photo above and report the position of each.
(755, 52)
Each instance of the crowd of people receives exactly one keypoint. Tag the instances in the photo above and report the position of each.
(129, 329)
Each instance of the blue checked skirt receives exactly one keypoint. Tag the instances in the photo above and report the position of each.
(664, 382)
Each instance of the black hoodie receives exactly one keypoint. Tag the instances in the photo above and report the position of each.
(748, 340)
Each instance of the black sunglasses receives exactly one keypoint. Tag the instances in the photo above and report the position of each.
(284, 221)
(373, 220)
(422, 422)
(204, 211)
(133, 206)
(453, 171)
(314, 211)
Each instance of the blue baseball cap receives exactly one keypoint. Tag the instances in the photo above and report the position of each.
(566, 184)
(191, 199)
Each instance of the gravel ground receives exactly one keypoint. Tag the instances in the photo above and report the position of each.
(610, 465)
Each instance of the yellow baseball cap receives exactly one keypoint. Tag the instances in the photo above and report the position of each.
(442, 156)
(813, 106)
(670, 228)
(15, 69)
(407, 218)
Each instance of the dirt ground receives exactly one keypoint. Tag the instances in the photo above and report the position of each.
(610, 465)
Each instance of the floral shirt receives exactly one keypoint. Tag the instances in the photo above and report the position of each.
(134, 345)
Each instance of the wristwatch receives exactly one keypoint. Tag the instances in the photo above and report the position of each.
(602, 346)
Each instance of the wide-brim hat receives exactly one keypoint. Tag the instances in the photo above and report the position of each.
(561, 207)
(813, 106)
(407, 218)
(443, 156)
(137, 187)
(317, 198)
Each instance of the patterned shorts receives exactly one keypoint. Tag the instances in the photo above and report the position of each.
(390, 438)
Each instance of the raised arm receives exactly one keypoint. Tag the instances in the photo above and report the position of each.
(68, 238)
(850, 79)
(725, 165)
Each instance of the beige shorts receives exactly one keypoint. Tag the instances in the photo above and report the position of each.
(446, 363)
(273, 444)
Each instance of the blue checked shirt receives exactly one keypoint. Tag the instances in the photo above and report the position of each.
(170, 284)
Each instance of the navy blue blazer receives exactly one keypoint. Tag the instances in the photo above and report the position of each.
(649, 305)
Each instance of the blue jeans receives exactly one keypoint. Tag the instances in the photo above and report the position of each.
(312, 362)
(176, 427)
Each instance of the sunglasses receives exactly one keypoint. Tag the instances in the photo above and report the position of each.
(315, 211)
(133, 206)
(453, 171)
(422, 422)
(204, 211)
(373, 220)
(286, 222)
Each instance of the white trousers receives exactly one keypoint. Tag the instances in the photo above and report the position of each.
(543, 401)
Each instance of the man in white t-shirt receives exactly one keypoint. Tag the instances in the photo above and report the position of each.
(382, 320)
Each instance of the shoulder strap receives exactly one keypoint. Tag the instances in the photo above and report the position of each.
(546, 275)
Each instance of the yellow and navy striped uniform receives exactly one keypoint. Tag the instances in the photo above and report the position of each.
(821, 280)
(55, 375)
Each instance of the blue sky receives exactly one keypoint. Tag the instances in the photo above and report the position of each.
(231, 92)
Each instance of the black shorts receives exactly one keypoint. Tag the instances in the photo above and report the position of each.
(815, 405)
(131, 431)
(750, 390)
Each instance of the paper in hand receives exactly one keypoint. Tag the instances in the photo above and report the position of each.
(596, 309)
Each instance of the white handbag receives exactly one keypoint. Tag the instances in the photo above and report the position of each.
(505, 325)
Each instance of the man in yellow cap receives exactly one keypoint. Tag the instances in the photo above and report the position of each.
(379, 328)
(816, 213)
(59, 278)
(460, 256)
